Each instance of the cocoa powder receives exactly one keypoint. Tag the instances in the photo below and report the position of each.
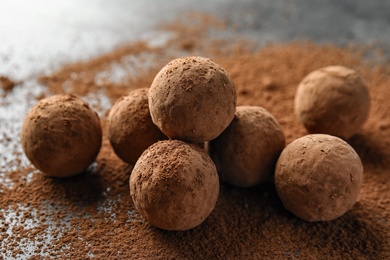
(6, 84)
(92, 214)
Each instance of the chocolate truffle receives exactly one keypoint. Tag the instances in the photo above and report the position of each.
(130, 126)
(61, 135)
(333, 100)
(174, 185)
(192, 99)
(318, 177)
(246, 152)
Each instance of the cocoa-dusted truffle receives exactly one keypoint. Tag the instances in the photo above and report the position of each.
(318, 177)
(174, 185)
(61, 135)
(246, 152)
(130, 127)
(192, 99)
(333, 100)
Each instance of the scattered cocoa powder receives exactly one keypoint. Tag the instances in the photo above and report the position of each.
(6, 84)
(92, 214)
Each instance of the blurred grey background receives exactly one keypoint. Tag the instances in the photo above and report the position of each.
(41, 34)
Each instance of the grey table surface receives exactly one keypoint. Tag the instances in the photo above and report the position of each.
(36, 35)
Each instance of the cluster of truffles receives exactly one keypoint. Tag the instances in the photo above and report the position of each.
(184, 134)
(174, 184)
(318, 176)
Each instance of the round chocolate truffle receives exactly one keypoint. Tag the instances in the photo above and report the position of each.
(174, 185)
(192, 99)
(130, 126)
(333, 100)
(246, 152)
(318, 177)
(61, 135)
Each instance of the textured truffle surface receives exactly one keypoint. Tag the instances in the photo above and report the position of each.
(246, 152)
(192, 99)
(61, 135)
(333, 100)
(130, 126)
(318, 177)
(174, 185)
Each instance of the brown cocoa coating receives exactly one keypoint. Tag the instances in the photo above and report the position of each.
(61, 135)
(130, 126)
(192, 99)
(333, 100)
(174, 185)
(246, 152)
(318, 177)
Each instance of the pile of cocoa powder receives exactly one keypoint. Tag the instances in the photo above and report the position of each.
(92, 215)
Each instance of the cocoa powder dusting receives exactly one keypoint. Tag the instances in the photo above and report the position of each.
(6, 84)
(92, 214)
